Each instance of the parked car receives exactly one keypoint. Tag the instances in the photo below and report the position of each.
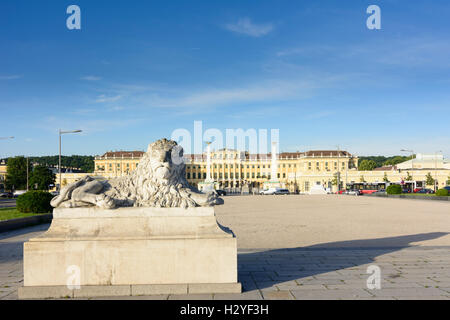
(447, 188)
(406, 191)
(282, 191)
(417, 190)
(272, 191)
(268, 191)
(18, 193)
(427, 191)
(354, 192)
(221, 192)
(6, 195)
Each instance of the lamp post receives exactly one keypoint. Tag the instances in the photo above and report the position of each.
(412, 156)
(412, 164)
(435, 169)
(338, 175)
(5, 138)
(61, 132)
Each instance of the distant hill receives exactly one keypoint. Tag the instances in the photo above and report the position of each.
(385, 161)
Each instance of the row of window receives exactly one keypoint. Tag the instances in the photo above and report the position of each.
(232, 176)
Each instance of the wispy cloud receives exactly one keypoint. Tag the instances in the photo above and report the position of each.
(410, 52)
(319, 115)
(10, 77)
(245, 26)
(217, 97)
(91, 78)
(88, 126)
(117, 108)
(103, 98)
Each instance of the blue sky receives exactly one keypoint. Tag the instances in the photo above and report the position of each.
(137, 70)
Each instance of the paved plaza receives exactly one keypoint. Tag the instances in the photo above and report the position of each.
(313, 247)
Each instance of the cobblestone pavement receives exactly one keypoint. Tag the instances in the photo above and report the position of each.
(407, 272)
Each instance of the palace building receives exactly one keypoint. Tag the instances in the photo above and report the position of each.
(233, 169)
(296, 171)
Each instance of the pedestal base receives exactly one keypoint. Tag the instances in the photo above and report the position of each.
(130, 249)
(49, 292)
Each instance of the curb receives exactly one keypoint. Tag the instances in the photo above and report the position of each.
(19, 223)
(399, 196)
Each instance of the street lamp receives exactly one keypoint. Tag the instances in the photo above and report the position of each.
(412, 156)
(61, 132)
(5, 138)
(435, 169)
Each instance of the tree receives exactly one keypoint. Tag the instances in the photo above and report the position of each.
(16, 174)
(448, 180)
(408, 177)
(334, 181)
(385, 178)
(429, 180)
(367, 165)
(41, 178)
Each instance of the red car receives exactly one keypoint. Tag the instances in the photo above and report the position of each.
(417, 190)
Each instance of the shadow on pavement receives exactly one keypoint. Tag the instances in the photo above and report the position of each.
(271, 267)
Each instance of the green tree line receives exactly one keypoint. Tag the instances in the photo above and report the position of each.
(85, 163)
(40, 177)
(368, 163)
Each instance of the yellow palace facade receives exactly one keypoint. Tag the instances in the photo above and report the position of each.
(296, 171)
(233, 169)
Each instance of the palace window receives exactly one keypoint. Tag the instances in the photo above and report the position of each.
(248, 175)
(193, 175)
(278, 175)
(253, 175)
(284, 175)
(231, 175)
(188, 175)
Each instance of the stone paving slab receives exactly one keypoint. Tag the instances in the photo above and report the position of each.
(292, 273)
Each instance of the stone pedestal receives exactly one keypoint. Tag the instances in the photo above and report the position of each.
(130, 251)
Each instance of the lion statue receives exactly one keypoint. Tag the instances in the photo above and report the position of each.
(158, 181)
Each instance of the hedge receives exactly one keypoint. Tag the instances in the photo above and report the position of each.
(442, 193)
(394, 189)
(34, 202)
